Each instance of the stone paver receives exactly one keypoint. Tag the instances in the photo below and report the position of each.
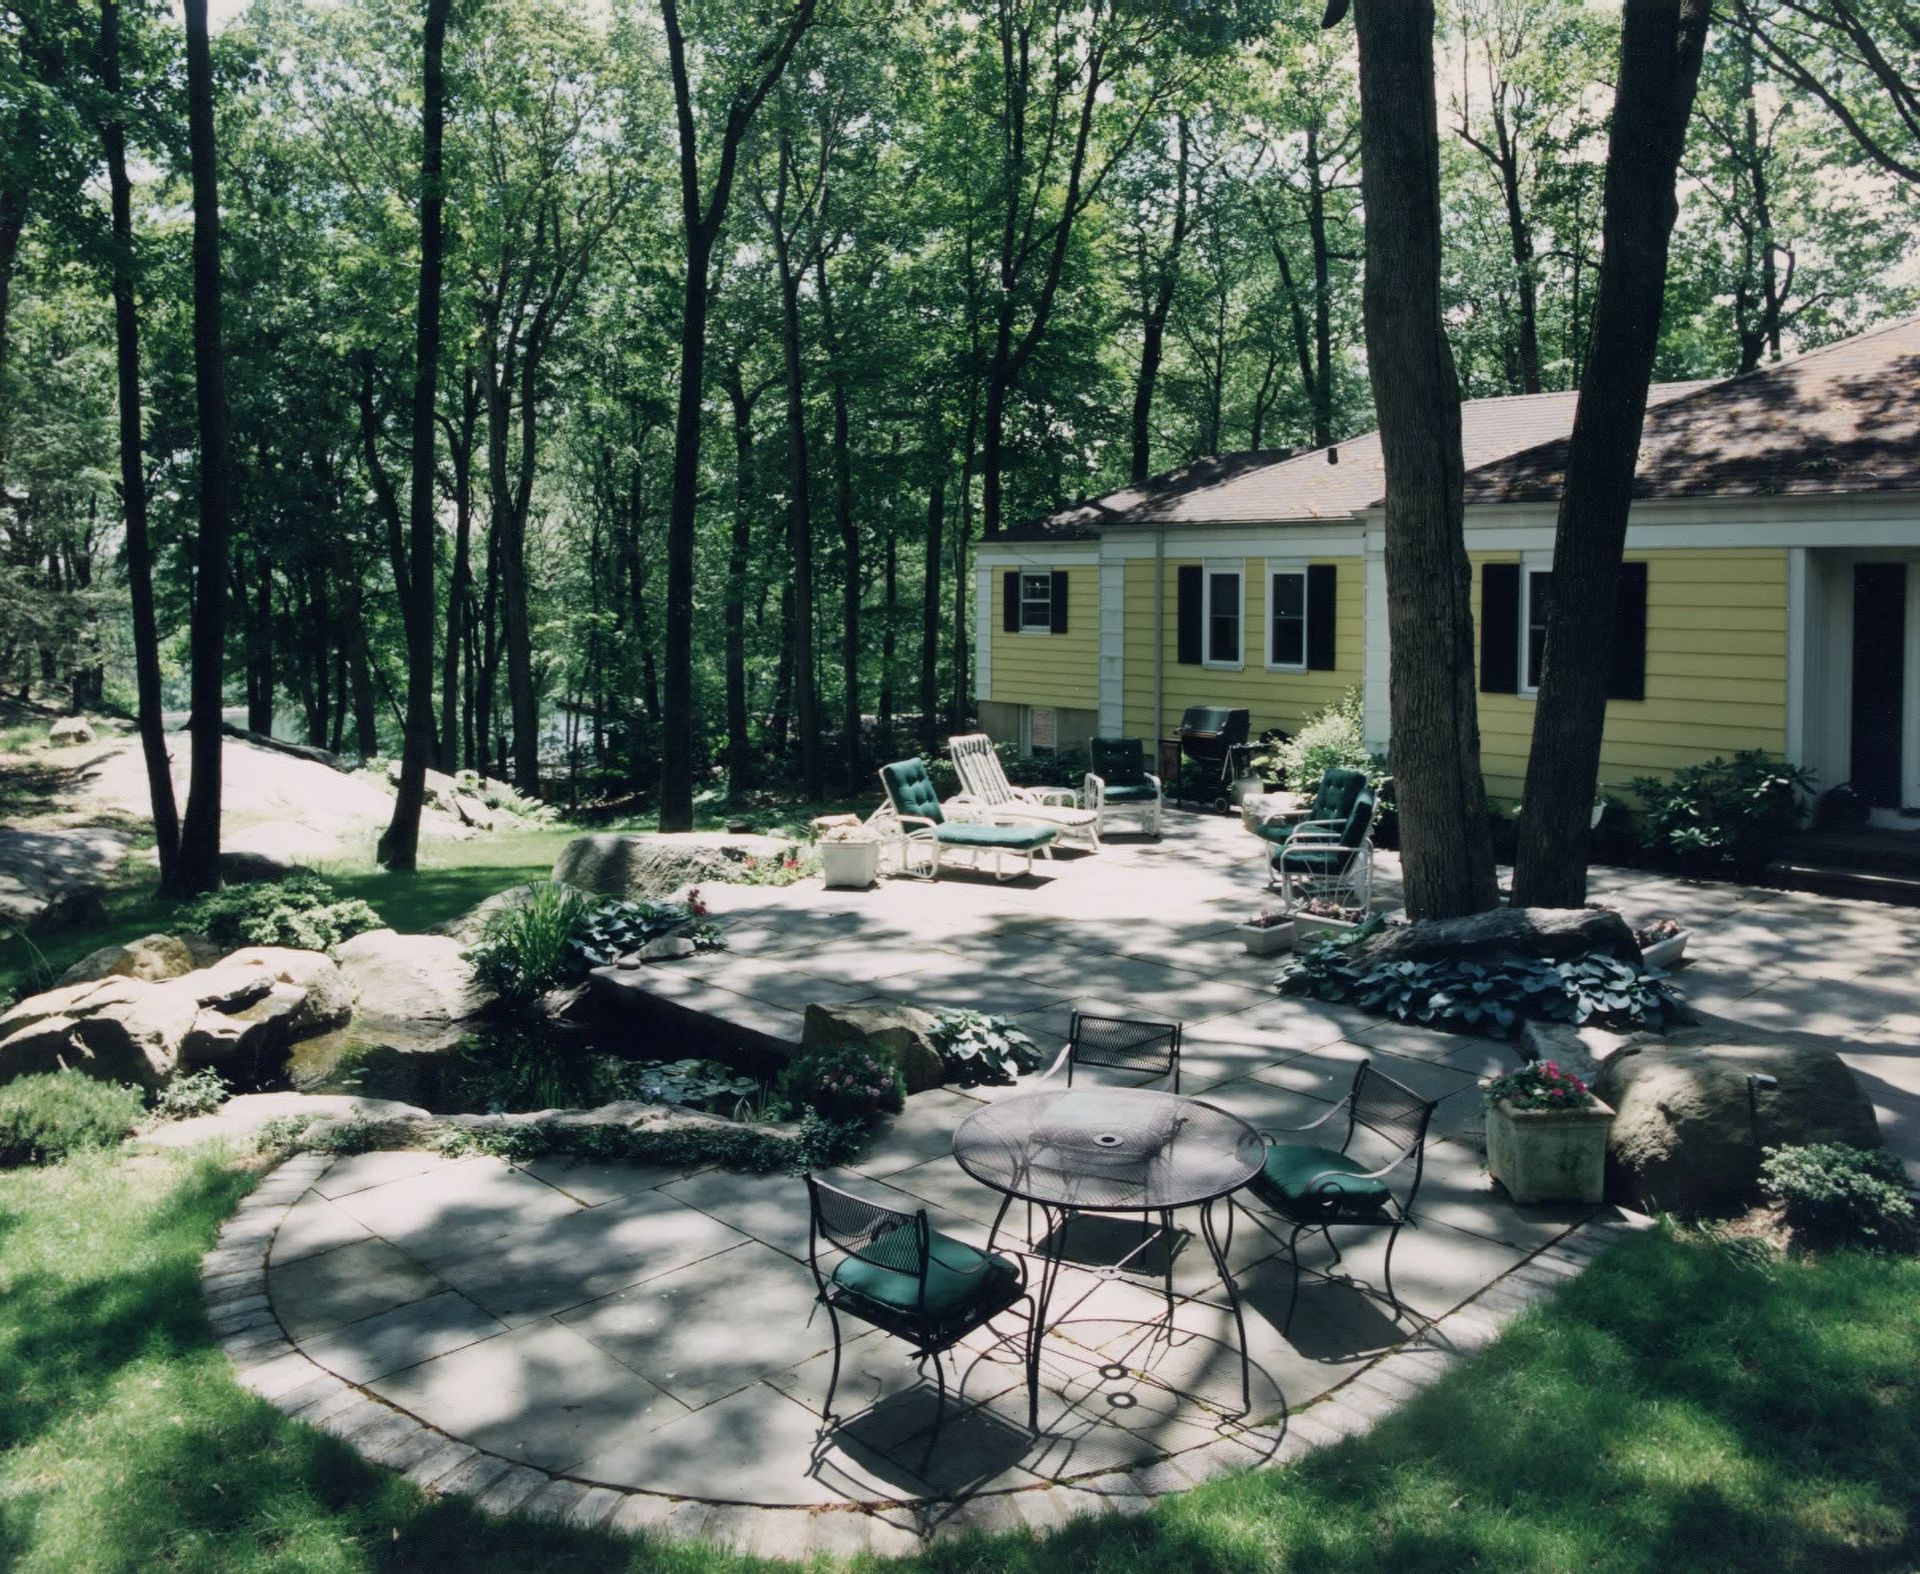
(639, 1349)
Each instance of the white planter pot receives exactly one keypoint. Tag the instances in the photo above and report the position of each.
(1664, 953)
(1268, 941)
(850, 866)
(1549, 1155)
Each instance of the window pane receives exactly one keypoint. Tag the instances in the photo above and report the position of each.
(1223, 617)
(1288, 640)
(1036, 601)
(1538, 588)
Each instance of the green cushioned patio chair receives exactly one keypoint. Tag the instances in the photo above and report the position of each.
(1311, 1187)
(919, 823)
(1329, 861)
(897, 1273)
(1333, 801)
(1119, 785)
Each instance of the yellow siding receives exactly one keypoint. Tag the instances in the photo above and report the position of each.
(1275, 699)
(1716, 671)
(1051, 669)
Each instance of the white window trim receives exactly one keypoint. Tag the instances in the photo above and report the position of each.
(1270, 568)
(1035, 628)
(1531, 563)
(1238, 568)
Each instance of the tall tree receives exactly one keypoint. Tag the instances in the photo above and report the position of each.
(1661, 42)
(1156, 267)
(399, 846)
(133, 475)
(1447, 857)
(703, 207)
(200, 831)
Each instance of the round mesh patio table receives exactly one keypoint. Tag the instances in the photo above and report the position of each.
(1070, 1151)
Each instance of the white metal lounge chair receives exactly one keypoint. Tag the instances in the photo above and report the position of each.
(983, 779)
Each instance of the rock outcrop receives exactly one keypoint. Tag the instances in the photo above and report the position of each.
(117, 1029)
(652, 867)
(904, 1032)
(1690, 1125)
(50, 880)
(413, 992)
(68, 731)
(151, 958)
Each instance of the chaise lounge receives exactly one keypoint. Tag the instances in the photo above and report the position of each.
(984, 784)
(916, 820)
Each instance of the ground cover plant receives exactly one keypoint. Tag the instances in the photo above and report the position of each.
(843, 1082)
(52, 1115)
(556, 934)
(303, 911)
(1462, 995)
(1833, 1194)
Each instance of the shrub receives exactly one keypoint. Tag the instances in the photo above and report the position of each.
(1062, 768)
(198, 1093)
(843, 1082)
(1542, 1085)
(1833, 1194)
(979, 1050)
(301, 911)
(49, 1117)
(1723, 814)
(1460, 995)
(1334, 738)
(525, 948)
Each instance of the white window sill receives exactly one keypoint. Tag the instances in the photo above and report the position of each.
(1291, 672)
(1046, 628)
(1224, 666)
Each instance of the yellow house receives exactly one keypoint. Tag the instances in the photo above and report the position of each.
(1771, 598)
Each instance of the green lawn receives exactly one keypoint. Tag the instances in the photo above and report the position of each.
(1681, 1406)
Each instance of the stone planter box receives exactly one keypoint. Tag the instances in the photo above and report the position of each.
(1549, 1155)
(850, 866)
(1270, 940)
(1664, 953)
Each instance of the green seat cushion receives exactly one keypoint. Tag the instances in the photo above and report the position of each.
(958, 1276)
(1314, 860)
(1016, 838)
(1290, 1173)
(1130, 792)
(1275, 831)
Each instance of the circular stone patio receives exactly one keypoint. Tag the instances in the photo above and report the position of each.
(638, 1349)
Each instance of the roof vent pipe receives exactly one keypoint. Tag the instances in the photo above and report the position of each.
(1333, 454)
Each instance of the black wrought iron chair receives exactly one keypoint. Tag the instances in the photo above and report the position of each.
(1149, 1049)
(1316, 1187)
(902, 1276)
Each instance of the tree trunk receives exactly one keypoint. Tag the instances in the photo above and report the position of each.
(851, 712)
(806, 692)
(930, 614)
(523, 699)
(199, 867)
(1156, 303)
(1660, 48)
(890, 593)
(399, 847)
(1447, 858)
(739, 747)
(133, 479)
(461, 456)
(1321, 389)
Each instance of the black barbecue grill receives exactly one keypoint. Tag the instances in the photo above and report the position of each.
(1213, 754)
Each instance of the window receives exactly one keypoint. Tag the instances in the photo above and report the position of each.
(1223, 617)
(1287, 619)
(1536, 584)
(1042, 729)
(1036, 602)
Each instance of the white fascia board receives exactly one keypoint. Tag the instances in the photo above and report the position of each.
(1036, 554)
(1849, 520)
(1315, 538)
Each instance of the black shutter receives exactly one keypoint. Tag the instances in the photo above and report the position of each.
(1500, 628)
(1059, 600)
(1323, 587)
(1190, 615)
(1627, 656)
(1010, 612)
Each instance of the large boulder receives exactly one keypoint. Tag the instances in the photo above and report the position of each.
(70, 730)
(1554, 932)
(410, 991)
(253, 1039)
(151, 958)
(651, 867)
(437, 791)
(117, 1029)
(904, 1032)
(1689, 1126)
(325, 999)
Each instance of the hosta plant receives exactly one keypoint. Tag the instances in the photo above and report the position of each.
(979, 1050)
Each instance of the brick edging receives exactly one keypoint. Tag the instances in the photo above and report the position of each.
(233, 1277)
